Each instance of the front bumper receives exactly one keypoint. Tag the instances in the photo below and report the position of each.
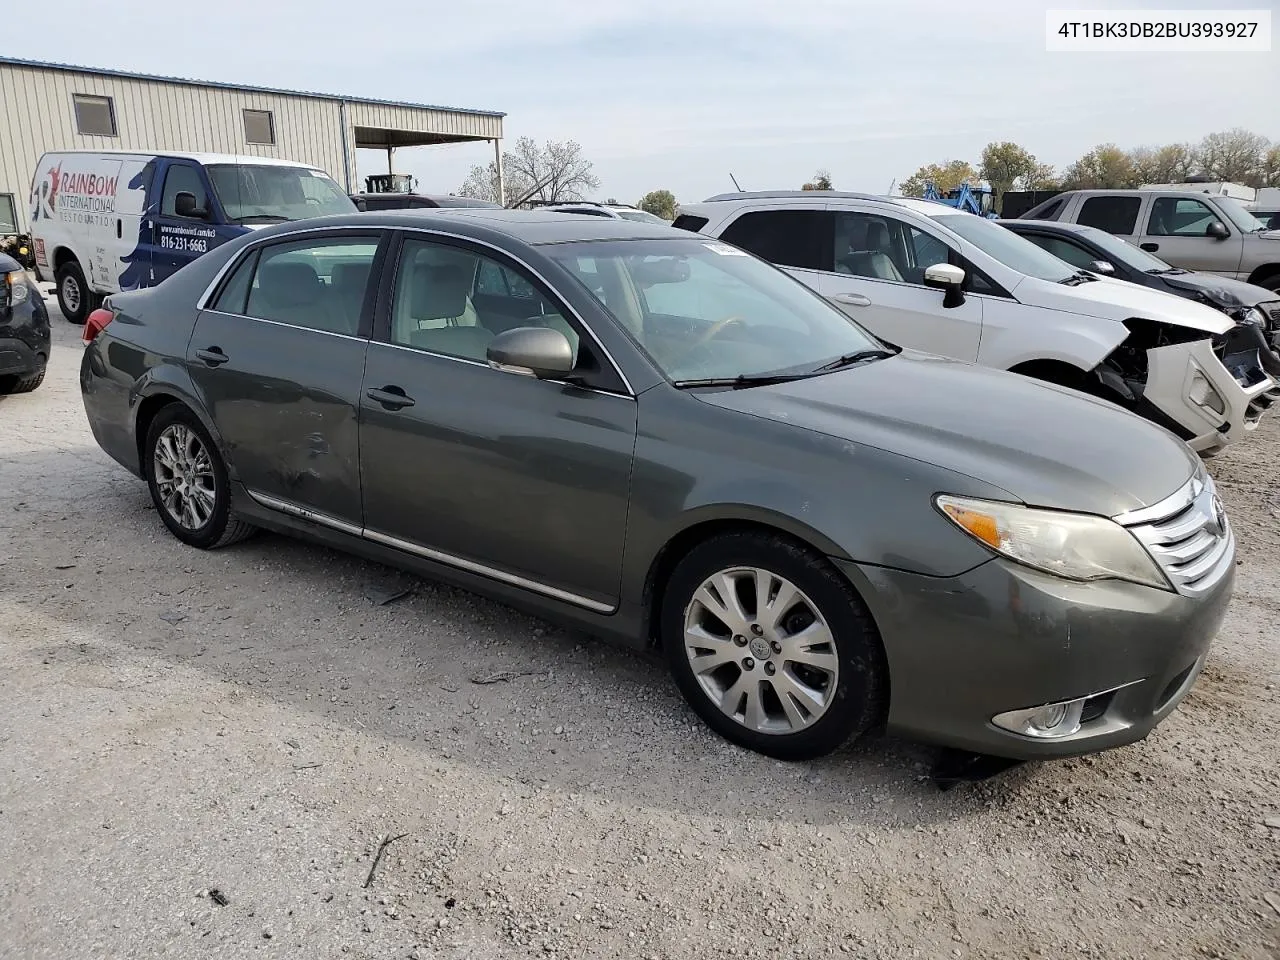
(1003, 637)
(1215, 407)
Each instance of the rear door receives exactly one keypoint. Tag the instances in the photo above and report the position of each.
(1114, 213)
(1175, 230)
(278, 361)
(877, 278)
(799, 241)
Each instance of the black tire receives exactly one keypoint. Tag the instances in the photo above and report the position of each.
(17, 383)
(221, 528)
(861, 685)
(87, 302)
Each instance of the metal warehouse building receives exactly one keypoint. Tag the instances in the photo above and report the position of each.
(50, 106)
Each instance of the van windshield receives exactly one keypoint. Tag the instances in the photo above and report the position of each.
(269, 194)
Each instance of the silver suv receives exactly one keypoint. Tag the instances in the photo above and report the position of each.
(1195, 231)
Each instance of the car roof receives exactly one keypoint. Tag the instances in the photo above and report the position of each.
(205, 158)
(526, 226)
(927, 207)
(1055, 225)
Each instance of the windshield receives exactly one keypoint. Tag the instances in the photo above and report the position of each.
(1241, 217)
(706, 310)
(264, 193)
(641, 216)
(1015, 252)
(1126, 253)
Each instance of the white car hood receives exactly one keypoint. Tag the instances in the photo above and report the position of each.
(1119, 301)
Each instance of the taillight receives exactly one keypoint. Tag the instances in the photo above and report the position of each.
(96, 323)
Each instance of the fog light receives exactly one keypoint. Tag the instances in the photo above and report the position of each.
(1051, 721)
(1203, 393)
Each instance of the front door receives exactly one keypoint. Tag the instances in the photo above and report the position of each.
(519, 479)
(278, 362)
(1176, 233)
(178, 239)
(878, 280)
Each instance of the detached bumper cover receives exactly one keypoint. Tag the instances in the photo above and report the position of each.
(1190, 385)
(1002, 637)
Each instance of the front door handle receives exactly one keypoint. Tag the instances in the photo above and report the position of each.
(212, 356)
(391, 397)
(1150, 247)
(852, 299)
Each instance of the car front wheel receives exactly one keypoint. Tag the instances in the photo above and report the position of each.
(188, 481)
(772, 647)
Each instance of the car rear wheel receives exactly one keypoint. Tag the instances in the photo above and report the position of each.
(75, 299)
(771, 647)
(188, 481)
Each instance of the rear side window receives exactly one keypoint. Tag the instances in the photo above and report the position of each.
(317, 284)
(1054, 208)
(236, 291)
(789, 238)
(1112, 214)
(687, 221)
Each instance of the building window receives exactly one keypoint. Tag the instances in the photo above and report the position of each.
(258, 126)
(95, 116)
(8, 214)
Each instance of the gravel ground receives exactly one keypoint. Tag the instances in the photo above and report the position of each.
(254, 722)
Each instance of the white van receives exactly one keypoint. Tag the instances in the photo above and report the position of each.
(106, 222)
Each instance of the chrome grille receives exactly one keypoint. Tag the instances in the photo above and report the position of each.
(1188, 535)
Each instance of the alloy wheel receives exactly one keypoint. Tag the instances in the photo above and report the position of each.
(761, 650)
(184, 477)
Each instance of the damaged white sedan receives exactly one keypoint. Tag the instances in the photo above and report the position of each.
(927, 276)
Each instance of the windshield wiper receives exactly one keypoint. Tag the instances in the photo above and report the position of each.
(264, 217)
(741, 380)
(849, 359)
(1078, 278)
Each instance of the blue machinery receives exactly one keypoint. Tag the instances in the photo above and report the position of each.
(980, 201)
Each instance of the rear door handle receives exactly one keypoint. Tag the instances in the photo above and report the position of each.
(1150, 247)
(852, 299)
(391, 397)
(213, 356)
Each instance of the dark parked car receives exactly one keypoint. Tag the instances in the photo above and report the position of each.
(24, 330)
(1101, 252)
(416, 201)
(664, 440)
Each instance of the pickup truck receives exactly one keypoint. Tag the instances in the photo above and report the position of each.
(1195, 231)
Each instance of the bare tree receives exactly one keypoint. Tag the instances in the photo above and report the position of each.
(1234, 156)
(1172, 163)
(555, 171)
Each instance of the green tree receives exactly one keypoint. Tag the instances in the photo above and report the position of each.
(661, 203)
(1006, 165)
(821, 181)
(1105, 167)
(945, 176)
(1235, 156)
(554, 171)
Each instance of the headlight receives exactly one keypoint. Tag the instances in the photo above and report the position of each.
(1255, 315)
(1076, 546)
(15, 287)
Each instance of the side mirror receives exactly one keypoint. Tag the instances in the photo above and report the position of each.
(1102, 266)
(944, 276)
(184, 205)
(532, 351)
(1218, 230)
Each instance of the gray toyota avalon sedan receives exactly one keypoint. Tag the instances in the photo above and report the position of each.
(666, 441)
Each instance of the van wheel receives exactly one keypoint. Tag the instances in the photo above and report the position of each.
(75, 299)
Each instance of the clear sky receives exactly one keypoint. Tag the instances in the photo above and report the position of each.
(680, 93)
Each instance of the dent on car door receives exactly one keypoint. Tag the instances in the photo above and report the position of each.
(877, 278)
(519, 479)
(277, 361)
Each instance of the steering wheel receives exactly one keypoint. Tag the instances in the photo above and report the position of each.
(714, 331)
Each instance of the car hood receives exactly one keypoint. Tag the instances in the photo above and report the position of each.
(1119, 300)
(1226, 294)
(1047, 446)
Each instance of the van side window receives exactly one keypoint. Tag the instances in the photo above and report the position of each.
(182, 178)
(1112, 214)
